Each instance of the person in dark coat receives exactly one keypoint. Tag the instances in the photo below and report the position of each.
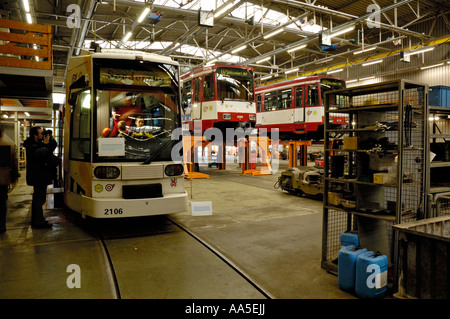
(9, 174)
(40, 172)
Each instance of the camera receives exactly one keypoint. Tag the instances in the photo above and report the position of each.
(47, 133)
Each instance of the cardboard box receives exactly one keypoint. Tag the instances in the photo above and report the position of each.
(384, 178)
(334, 198)
(350, 142)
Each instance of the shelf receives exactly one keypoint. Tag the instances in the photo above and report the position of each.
(440, 136)
(379, 107)
(439, 164)
(437, 189)
(383, 216)
(442, 109)
(355, 181)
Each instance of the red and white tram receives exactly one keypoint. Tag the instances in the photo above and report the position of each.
(295, 106)
(219, 96)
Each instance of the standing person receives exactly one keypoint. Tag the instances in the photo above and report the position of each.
(9, 172)
(39, 172)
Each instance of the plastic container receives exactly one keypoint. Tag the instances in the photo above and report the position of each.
(371, 275)
(347, 266)
(349, 238)
(439, 96)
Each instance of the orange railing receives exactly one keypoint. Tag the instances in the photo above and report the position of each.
(25, 41)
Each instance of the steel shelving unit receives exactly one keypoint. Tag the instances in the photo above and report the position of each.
(374, 167)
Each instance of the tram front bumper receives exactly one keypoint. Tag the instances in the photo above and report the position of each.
(117, 208)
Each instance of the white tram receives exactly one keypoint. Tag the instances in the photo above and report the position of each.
(295, 107)
(220, 96)
(113, 166)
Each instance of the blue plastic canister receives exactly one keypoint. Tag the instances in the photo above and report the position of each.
(439, 95)
(349, 238)
(347, 266)
(371, 275)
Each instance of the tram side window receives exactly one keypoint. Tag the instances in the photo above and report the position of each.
(208, 87)
(313, 95)
(285, 99)
(258, 103)
(299, 97)
(197, 90)
(270, 101)
(80, 138)
(187, 94)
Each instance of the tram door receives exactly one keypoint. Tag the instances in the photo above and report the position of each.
(299, 110)
(197, 101)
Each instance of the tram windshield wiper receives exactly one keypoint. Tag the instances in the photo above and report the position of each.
(157, 153)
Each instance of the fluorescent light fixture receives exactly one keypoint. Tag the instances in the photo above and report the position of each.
(372, 62)
(263, 78)
(335, 34)
(127, 36)
(335, 71)
(239, 49)
(365, 50)
(224, 8)
(263, 60)
(422, 50)
(58, 98)
(324, 61)
(143, 14)
(5, 116)
(297, 48)
(271, 34)
(26, 5)
(27, 114)
(291, 71)
(431, 66)
(369, 78)
(351, 81)
(29, 20)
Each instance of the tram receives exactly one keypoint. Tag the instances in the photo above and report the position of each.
(295, 107)
(220, 96)
(120, 116)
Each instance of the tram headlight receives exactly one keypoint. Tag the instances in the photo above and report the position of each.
(252, 117)
(226, 116)
(106, 172)
(174, 170)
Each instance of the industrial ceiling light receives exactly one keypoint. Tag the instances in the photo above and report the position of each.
(431, 66)
(335, 34)
(421, 50)
(263, 78)
(297, 48)
(271, 34)
(351, 81)
(324, 61)
(335, 71)
(372, 62)
(263, 60)
(224, 8)
(365, 50)
(143, 15)
(291, 70)
(27, 114)
(127, 36)
(29, 20)
(239, 49)
(368, 78)
(26, 5)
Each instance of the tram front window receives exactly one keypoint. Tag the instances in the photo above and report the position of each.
(142, 124)
(235, 84)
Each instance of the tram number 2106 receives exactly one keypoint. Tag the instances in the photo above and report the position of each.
(113, 211)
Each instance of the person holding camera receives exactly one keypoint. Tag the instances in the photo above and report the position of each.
(41, 164)
(9, 173)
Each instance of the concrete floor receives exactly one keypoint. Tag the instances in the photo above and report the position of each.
(273, 237)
